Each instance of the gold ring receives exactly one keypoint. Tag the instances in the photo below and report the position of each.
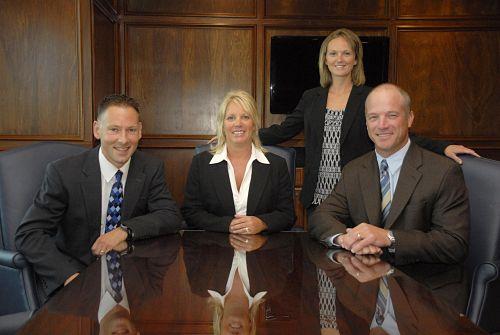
(102, 252)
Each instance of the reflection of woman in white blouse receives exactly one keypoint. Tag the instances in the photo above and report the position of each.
(236, 309)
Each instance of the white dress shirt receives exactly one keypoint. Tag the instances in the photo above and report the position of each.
(108, 172)
(240, 197)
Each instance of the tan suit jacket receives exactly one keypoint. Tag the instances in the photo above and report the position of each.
(429, 213)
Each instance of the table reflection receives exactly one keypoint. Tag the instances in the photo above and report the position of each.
(237, 273)
(371, 297)
(284, 283)
(128, 279)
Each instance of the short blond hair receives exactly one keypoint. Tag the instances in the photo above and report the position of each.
(405, 102)
(358, 72)
(245, 101)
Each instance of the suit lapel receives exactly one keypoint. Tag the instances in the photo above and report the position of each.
(90, 186)
(220, 181)
(133, 187)
(407, 181)
(350, 112)
(260, 174)
(369, 180)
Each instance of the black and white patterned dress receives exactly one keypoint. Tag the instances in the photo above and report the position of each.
(329, 167)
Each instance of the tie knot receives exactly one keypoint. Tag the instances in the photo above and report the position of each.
(383, 166)
(118, 176)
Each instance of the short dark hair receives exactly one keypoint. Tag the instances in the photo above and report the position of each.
(116, 100)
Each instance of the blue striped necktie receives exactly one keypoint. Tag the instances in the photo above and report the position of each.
(383, 294)
(385, 188)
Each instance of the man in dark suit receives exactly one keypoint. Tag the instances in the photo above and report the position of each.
(399, 197)
(91, 202)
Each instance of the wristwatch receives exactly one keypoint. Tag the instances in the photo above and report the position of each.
(391, 248)
(130, 233)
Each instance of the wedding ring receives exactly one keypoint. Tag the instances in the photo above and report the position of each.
(358, 236)
(102, 252)
(247, 230)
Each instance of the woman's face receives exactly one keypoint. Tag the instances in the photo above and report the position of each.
(340, 58)
(238, 125)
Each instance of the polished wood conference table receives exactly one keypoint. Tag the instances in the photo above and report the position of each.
(289, 284)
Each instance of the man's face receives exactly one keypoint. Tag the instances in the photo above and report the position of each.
(119, 131)
(387, 121)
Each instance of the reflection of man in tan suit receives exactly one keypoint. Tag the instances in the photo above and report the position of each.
(426, 215)
(417, 309)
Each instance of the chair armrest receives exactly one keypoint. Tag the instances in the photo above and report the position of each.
(484, 274)
(13, 259)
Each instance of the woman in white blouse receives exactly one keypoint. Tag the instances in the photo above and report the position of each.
(238, 187)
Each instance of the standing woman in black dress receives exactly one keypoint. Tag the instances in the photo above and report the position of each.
(333, 119)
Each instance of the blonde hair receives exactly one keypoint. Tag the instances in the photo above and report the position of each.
(358, 72)
(245, 101)
(218, 312)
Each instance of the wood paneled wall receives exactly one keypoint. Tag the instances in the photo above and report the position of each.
(58, 58)
(43, 60)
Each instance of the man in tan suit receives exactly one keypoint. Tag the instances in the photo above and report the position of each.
(400, 198)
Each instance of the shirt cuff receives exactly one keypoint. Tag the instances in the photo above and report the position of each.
(329, 241)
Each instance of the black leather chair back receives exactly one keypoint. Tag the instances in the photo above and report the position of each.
(482, 177)
(21, 173)
(288, 154)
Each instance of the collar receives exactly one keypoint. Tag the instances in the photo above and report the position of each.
(256, 155)
(396, 158)
(108, 170)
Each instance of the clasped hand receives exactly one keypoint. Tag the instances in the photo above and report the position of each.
(247, 242)
(363, 267)
(364, 239)
(242, 224)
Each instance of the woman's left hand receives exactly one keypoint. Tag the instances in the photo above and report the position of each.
(242, 224)
(453, 150)
(247, 242)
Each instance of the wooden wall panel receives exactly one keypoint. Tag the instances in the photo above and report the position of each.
(327, 8)
(40, 61)
(448, 8)
(452, 77)
(177, 163)
(240, 8)
(105, 54)
(181, 74)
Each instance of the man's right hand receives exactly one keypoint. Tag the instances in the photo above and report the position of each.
(70, 278)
